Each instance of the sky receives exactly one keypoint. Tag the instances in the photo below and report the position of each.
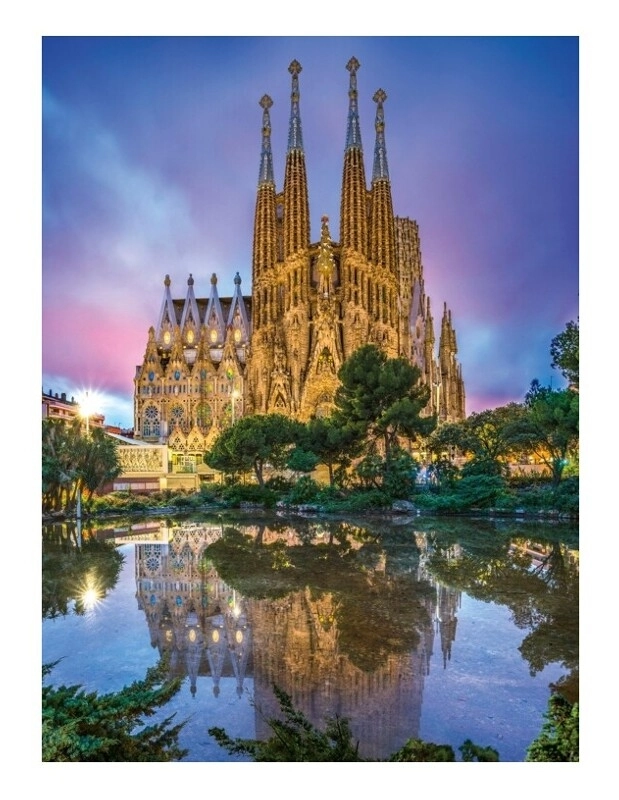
(151, 150)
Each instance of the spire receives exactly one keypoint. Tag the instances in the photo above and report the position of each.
(353, 131)
(264, 253)
(296, 227)
(353, 202)
(382, 226)
(167, 317)
(295, 137)
(381, 171)
(266, 156)
(214, 318)
(237, 316)
(190, 318)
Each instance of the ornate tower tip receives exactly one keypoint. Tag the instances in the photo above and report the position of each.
(294, 68)
(237, 279)
(167, 281)
(214, 279)
(353, 65)
(265, 101)
(190, 280)
(379, 96)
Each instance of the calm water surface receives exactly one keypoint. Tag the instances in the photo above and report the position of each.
(438, 630)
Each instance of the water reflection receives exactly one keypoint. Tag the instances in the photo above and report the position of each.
(77, 573)
(344, 618)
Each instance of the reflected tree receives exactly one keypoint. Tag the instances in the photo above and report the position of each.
(542, 597)
(379, 609)
(74, 577)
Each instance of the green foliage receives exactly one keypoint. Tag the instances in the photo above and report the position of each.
(73, 463)
(550, 427)
(86, 726)
(368, 500)
(395, 474)
(473, 752)
(294, 738)
(277, 483)
(472, 491)
(138, 503)
(418, 750)
(301, 460)
(68, 572)
(305, 490)
(334, 442)
(237, 493)
(559, 738)
(252, 442)
(479, 491)
(486, 436)
(564, 350)
(381, 398)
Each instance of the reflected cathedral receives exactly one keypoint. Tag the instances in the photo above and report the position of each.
(208, 630)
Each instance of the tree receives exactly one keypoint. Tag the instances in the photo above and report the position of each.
(69, 572)
(100, 462)
(382, 398)
(296, 739)
(558, 740)
(550, 426)
(73, 463)
(59, 462)
(252, 442)
(564, 350)
(82, 726)
(333, 443)
(487, 437)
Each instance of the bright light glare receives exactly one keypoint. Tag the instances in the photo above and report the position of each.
(89, 403)
(90, 598)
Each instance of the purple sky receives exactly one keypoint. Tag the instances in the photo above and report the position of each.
(151, 150)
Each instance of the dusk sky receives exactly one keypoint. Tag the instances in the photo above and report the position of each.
(151, 151)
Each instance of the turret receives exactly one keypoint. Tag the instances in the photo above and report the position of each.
(214, 318)
(167, 317)
(190, 318)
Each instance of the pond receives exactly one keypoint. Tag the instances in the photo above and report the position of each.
(443, 630)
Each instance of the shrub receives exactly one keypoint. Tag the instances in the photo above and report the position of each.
(279, 484)
(305, 490)
(234, 495)
(479, 491)
(559, 737)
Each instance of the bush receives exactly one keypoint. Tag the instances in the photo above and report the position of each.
(479, 491)
(86, 726)
(366, 501)
(305, 490)
(234, 495)
(279, 484)
(559, 737)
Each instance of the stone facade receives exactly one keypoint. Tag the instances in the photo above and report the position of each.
(209, 361)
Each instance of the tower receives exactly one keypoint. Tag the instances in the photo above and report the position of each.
(312, 304)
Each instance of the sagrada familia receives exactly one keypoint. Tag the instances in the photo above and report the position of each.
(210, 360)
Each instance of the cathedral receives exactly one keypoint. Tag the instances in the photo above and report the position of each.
(210, 360)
